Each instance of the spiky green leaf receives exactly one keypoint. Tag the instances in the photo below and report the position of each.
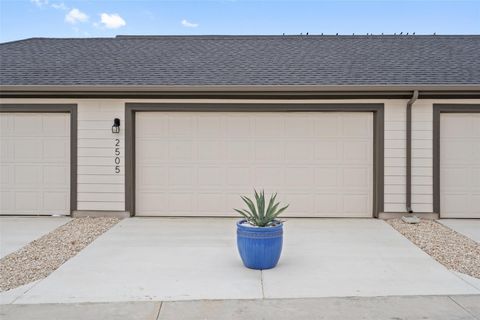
(251, 206)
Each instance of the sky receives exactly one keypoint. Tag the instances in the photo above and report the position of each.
(20, 19)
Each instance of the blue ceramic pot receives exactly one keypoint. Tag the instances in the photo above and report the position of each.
(259, 248)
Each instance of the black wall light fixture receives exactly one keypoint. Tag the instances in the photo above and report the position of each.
(116, 126)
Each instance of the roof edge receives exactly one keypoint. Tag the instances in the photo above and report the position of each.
(235, 88)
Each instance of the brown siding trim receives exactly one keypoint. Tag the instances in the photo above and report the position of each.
(56, 108)
(378, 135)
(438, 109)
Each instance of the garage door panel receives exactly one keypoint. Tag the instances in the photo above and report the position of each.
(476, 150)
(238, 126)
(6, 125)
(210, 177)
(476, 128)
(456, 151)
(55, 202)
(27, 201)
(6, 172)
(212, 203)
(149, 176)
(269, 125)
(327, 151)
(27, 125)
(56, 176)
(35, 163)
(303, 177)
(181, 177)
(357, 178)
(357, 151)
(28, 175)
(27, 149)
(155, 150)
(455, 204)
(209, 127)
(455, 178)
(239, 151)
(240, 176)
(56, 125)
(328, 205)
(56, 149)
(269, 177)
(327, 178)
(357, 126)
(269, 151)
(475, 205)
(475, 177)
(152, 203)
(182, 203)
(456, 126)
(299, 151)
(226, 155)
(355, 204)
(181, 150)
(210, 151)
(459, 165)
(300, 127)
(6, 146)
(300, 203)
(328, 125)
(7, 201)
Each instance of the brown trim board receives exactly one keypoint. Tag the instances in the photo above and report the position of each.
(378, 135)
(438, 109)
(56, 108)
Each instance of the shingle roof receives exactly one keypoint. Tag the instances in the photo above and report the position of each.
(243, 60)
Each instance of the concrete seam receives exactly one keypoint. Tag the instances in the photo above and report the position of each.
(471, 285)
(261, 282)
(159, 309)
(23, 294)
(466, 310)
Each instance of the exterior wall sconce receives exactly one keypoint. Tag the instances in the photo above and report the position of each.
(116, 126)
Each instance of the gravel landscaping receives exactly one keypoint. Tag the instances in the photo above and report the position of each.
(453, 250)
(41, 257)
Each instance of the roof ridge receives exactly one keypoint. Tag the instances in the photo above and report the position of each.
(252, 37)
(294, 36)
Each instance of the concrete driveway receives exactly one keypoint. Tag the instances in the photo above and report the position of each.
(143, 259)
(468, 227)
(16, 232)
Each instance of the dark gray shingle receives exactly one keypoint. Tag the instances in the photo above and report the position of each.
(242, 60)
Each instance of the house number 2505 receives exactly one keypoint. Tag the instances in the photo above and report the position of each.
(117, 156)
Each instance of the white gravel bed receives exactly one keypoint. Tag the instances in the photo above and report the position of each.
(450, 248)
(41, 257)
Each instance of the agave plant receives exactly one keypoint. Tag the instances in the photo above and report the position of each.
(261, 215)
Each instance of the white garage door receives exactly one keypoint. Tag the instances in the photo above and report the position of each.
(198, 164)
(460, 165)
(35, 163)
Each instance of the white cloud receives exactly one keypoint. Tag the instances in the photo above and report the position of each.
(55, 5)
(40, 2)
(75, 15)
(189, 24)
(112, 21)
(59, 6)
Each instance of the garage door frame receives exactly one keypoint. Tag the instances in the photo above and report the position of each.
(378, 134)
(438, 109)
(55, 108)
